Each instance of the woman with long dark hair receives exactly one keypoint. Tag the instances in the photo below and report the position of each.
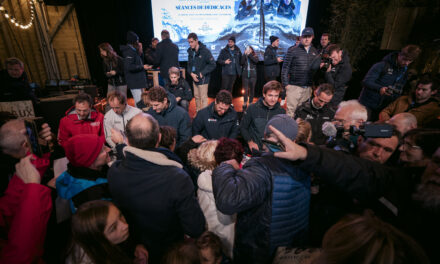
(113, 69)
(99, 231)
(249, 61)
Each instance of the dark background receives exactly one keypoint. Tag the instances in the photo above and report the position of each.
(108, 21)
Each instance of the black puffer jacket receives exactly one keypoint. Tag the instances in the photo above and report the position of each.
(233, 68)
(299, 66)
(135, 75)
(271, 65)
(201, 61)
(270, 197)
(255, 119)
(316, 117)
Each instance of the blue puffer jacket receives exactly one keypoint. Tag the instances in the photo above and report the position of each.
(176, 117)
(382, 74)
(201, 62)
(299, 66)
(272, 200)
(135, 75)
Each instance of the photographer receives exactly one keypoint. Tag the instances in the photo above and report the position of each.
(413, 201)
(338, 72)
(385, 80)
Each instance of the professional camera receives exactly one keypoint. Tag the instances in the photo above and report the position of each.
(325, 58)
(367, 130)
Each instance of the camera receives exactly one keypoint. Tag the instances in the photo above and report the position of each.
(394, 90)
(373, 130)
(325, 58)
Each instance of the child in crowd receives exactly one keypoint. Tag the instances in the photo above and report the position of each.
(99, 231)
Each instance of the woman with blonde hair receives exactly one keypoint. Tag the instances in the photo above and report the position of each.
(206, 158)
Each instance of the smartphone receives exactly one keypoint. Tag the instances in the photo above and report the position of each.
(32, 134)
(273, 146)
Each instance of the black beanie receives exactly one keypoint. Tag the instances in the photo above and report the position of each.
(272, 39)
(232, 38)
(132, 37)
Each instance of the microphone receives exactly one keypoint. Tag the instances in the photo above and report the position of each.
(329, 129)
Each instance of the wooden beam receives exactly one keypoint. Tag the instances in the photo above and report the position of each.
(60, 22)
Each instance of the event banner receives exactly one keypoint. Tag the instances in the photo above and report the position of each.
(251, 22)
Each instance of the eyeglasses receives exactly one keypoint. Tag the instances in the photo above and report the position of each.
(408, 145)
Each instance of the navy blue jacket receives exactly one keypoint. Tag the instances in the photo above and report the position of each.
(157, 197)
(233, 68)
(135, 75)
(299, 66)
(255, 119)
(212, 126)
(382, 74)
(272, 200)
(338, 76)
(203, 63)
(176, 117)
(167, 56)
(271, 64)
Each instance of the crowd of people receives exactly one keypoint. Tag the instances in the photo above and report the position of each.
(357, 180)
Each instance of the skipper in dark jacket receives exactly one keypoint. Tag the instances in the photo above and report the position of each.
(200, 65)
(218, 119)
(258, 114)
(271, 198)
(392, 71)
(166, 111)
(316, 111)
(230, 59)
(167, 54)
(338, 73)
(271, 60)
(179, 88)
(153, 191)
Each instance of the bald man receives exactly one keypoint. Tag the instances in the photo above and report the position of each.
(151, 188)
(403, 122)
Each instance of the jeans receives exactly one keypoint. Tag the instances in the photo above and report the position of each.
(249, 88)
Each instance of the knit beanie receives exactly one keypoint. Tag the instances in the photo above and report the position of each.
(132, 37)
(232, 38)
(82, 150)
(285, 124)
(272, 39)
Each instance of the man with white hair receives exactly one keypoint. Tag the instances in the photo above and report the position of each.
(403, 122)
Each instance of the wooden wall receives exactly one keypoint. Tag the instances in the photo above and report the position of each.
(59, 25)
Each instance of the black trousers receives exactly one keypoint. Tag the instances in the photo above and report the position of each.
(249, 88)
(228, 82)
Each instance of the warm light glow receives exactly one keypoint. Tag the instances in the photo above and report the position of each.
(242, 91)
(14, 20)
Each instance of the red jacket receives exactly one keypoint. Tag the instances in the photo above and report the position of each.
(24, 213)
(71, 126)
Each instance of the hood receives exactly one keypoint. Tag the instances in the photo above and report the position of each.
(261, 104)
(172, 104)
(127, 50)
(155, 156)
(204, 181)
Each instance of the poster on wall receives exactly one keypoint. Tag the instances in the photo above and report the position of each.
(251, 22)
